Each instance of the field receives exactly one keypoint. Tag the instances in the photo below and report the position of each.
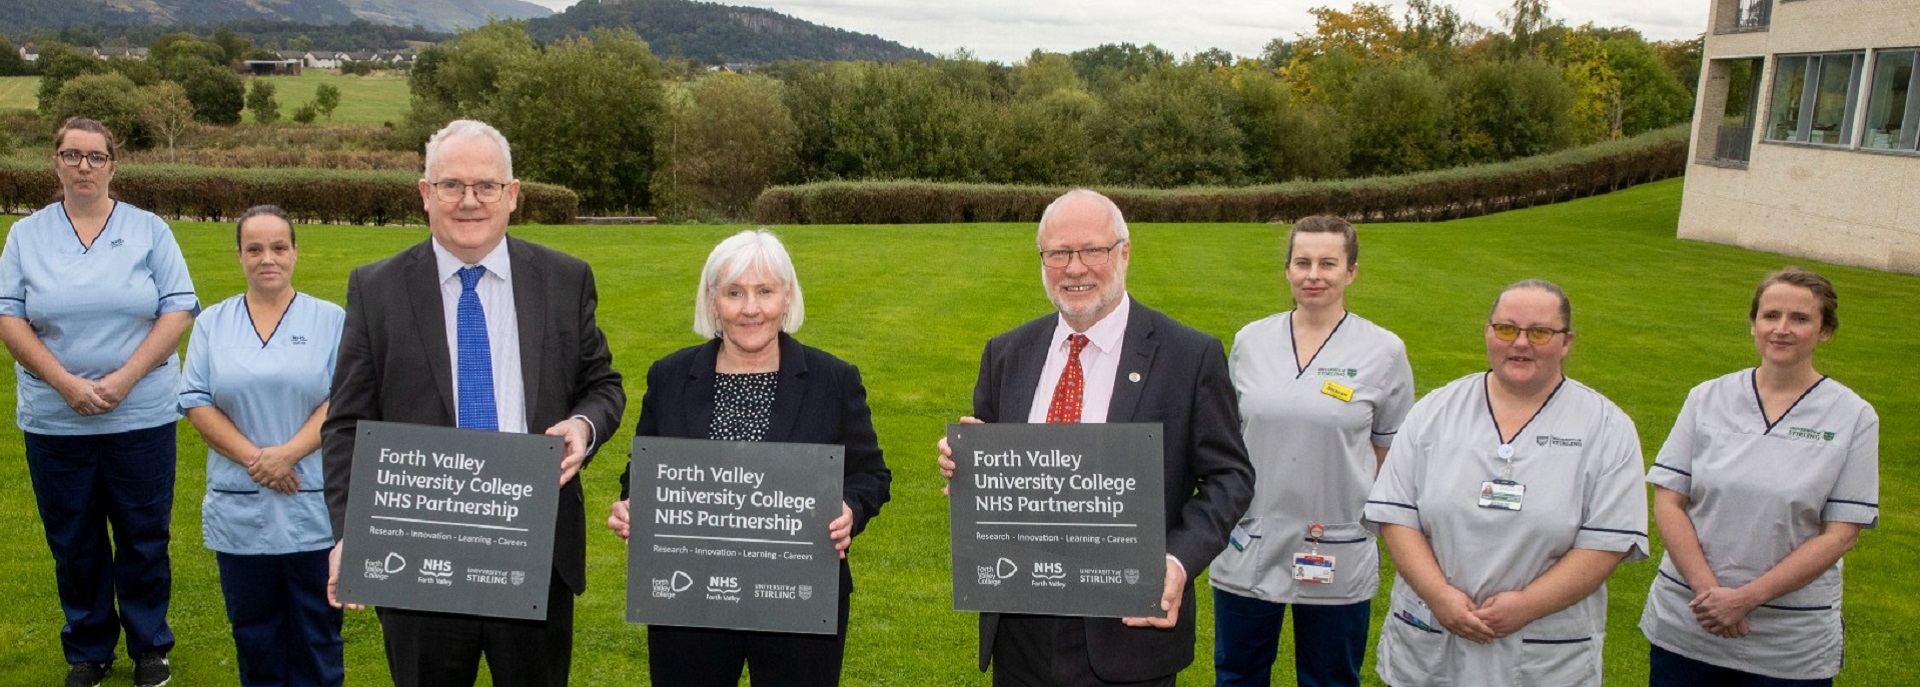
(364, 100)
(912, 305)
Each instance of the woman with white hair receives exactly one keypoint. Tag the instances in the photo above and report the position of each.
(752, 381)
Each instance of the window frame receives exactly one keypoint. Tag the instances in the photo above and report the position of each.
(1808, 98)
(1907, 140)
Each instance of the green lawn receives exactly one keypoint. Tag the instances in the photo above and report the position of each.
(912, 306)
(364, 100)
(20, 92)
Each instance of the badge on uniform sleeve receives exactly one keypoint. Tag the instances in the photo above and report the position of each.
(1504, 494)
(1337, 390)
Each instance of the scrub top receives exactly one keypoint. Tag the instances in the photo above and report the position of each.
(1755, 492)
(1311, 432)
(268, 389)
(1579, 460)
(92, 306)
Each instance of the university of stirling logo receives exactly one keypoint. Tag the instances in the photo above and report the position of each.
(1809, 433)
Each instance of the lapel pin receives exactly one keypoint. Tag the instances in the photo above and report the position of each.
(1133, 377)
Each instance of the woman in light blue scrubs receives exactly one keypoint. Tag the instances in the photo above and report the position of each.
(259, 367)
(94, 295)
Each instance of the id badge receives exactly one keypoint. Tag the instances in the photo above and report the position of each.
(1504, 494)
(1420, 617)
(1313, 568)
(1337, 390)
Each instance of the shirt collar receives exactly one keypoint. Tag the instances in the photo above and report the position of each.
(495, 261)
(1105, 335)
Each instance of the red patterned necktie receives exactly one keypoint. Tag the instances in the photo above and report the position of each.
(1067, 395)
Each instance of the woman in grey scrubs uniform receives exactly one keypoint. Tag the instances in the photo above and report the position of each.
(1766, 481)
(1322, 392)
(1507, 500)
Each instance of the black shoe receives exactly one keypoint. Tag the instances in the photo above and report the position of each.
(151, 670)
(88, 674)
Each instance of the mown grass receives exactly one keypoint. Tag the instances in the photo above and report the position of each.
(912, 306)
(364, 100)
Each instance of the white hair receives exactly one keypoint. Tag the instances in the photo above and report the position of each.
(469, 128)
(1114, 219)
(753, 250)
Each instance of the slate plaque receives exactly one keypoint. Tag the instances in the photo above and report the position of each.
(451, 520)
(1060, 519)
(733, 534)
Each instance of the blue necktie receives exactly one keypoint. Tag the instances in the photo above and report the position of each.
(476, 361)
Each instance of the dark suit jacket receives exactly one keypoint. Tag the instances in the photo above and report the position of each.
(819, 400)
(394, 366)
(1183, 384)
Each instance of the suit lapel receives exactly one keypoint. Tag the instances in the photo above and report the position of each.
(1136, 357)
(1030, 355)
(790, 392)
(530, 309)
(698, 395)
(430, 320)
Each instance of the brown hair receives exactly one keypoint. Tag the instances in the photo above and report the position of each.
(1566, 306)
(268, 210)
(84, 124)
(1821, 288)
(1327, 224)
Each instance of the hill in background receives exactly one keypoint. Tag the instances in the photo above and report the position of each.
(437, 15)
(715, 33)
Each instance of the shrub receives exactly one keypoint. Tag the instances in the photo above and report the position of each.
(110, 98)
(315, 195)
(1426, 196)
(266, 108)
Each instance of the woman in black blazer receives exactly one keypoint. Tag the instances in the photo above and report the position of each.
(752, 381)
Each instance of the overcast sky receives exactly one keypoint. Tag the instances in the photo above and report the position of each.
(1006, 30)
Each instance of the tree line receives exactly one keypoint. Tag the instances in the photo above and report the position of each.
(1364, 93)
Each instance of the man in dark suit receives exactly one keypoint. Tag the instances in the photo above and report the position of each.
(1103, 357)
(474, 329)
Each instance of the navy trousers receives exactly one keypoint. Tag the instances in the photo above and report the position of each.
(1329, 642)
(285, 634)
(1668, 669)
(107, 503)
(704, 657)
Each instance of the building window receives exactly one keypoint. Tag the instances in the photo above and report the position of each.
(1741, 16)
(1727, 108)
(1893, 106)
(1813, 98)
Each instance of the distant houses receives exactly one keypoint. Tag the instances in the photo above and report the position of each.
(288, 62)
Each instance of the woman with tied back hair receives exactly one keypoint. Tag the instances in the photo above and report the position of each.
(259, 368)
(94, 296)
(1764, 484)
(1507, 500)
(1322, 392)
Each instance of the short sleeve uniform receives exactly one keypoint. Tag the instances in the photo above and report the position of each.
(1311, 432)
(1579, 460)
(92, 306)
(268, 389)
(1755, 492)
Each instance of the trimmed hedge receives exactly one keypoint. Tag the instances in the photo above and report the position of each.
(312, 195)
(1422, 197)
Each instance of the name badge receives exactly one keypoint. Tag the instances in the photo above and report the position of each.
(1240, 538)
(1337, 390)
(1504, 494)
(1313, 568)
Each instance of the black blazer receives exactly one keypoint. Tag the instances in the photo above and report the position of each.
(394, 366)
(819, 400)
(1183, 384)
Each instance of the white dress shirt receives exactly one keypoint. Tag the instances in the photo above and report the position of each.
(1099, 362)
(503, 330)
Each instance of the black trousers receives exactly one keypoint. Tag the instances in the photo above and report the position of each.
(703, 657)
(444, 649)
(1049, 651)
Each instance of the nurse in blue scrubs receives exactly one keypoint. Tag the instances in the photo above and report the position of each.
(94, 295)
(258, 370)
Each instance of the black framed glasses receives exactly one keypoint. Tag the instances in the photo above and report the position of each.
(454, 191)
(1538, 336)
(72, 158)
(1091, 257)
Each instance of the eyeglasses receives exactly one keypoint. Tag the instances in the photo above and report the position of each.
(455, 191)
(1091, 257)
(1538, 336)
(72, 158)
